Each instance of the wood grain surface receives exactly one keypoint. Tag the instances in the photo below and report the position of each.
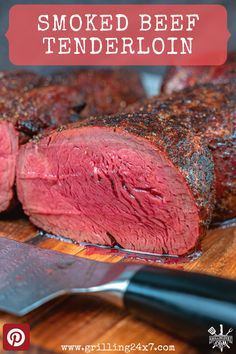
(80, 320)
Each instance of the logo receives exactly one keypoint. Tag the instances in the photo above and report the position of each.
(220, 340)
(16, 336)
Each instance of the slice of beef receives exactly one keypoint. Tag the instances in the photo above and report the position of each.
(179, 77)
(12, 83)
(210, 112)
(104, 91)
(8, 153)
(129, 179)
(22, 117)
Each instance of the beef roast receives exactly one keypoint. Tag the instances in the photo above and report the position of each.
(129, 179)
(30, 103)
(210, 112)
(22, 117)
(103, 91)
(179, 77)
(41, 108)
(11, 82)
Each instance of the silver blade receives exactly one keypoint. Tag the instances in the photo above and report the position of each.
(31, 276)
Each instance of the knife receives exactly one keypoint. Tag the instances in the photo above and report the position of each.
(184, 303)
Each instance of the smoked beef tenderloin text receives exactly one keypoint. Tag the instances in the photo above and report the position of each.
(179, 77)
(103, 91)
(137, 180)
(210, 112)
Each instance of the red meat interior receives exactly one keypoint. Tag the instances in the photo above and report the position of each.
(97, 185)
(8, 152)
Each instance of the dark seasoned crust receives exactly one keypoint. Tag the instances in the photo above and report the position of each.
(41, 108)
(186, 151)
(12, 82)
(103, 91)
(16, 83)
(209, 111)
(179, 77)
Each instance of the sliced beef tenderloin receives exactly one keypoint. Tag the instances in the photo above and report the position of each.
(8, 153)
(103, 91)
(210, 112)
(12, 84)
(179, 77)
(129, 179)
(24, 116)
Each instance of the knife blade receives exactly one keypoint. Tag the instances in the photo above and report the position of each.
(184, 303)
(31, 276)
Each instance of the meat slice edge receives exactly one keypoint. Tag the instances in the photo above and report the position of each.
(8, 153)
(25, 116)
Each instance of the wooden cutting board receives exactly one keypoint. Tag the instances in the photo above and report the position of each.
(81, 320)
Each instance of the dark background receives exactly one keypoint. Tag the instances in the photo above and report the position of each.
(6, 4)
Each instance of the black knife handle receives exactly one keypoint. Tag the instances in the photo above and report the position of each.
(184, 303)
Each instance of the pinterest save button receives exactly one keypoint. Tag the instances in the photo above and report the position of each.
(16, 336)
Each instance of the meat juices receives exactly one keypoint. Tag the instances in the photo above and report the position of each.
(209, 111)
(128, 179)
(179, 77)
(103, 91)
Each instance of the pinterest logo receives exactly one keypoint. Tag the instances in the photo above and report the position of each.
(16, 336)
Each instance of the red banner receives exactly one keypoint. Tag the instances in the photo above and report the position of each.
(118, 34)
